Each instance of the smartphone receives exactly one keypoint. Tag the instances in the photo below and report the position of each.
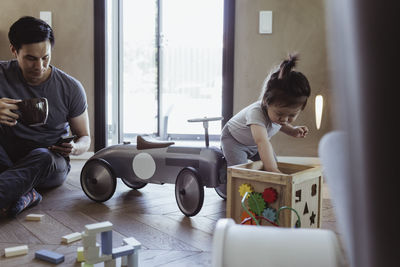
(65, 139)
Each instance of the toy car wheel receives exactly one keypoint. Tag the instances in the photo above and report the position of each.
(98, 180)
(189, 191)
(221, 191)
(133, 185)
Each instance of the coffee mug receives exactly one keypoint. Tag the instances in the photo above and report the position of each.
(33, 112)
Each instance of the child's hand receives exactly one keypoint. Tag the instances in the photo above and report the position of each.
(300, 131)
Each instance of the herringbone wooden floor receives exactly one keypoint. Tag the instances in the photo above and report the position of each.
(151, 215)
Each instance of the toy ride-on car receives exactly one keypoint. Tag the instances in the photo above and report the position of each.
(189, 168)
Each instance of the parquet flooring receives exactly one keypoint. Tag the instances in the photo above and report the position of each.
(151, 215)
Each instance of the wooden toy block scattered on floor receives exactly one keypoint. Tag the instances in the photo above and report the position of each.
(34, 217)
(98, 227)
(88, 240)
(91, 252)
(106, 242)
(132, 242)
(71, 237)
(49, 256)
(122, 251)
(79, 254)
(110, 263)
(131, 260)
(16, 251)
(124, 261)
(99, 259)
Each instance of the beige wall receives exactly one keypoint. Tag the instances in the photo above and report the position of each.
(298, 25)
(72, 22)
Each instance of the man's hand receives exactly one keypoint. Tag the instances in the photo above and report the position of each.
(299, 131)
(7, 117)
(64, 149)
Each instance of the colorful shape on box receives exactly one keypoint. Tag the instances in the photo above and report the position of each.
(256, 203)
(270, 214)
(270, 195)
(243, 188)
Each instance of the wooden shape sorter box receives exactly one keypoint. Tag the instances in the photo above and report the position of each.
(298, 187)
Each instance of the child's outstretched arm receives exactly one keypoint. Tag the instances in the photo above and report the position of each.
(260, 136)
(295, 131)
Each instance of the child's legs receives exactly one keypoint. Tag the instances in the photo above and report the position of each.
(235, 152)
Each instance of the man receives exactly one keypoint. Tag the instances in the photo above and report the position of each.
(29, 158)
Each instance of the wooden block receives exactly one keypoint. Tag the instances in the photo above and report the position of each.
(16, 251)
(122, 251)
(132, 242)
(88, 240)
(99, 259)
(49, 256)
(95, 228)
(91, 252)
(85, 264)
(106, 242)
(124, 261)
(79, 254)
(71, 238)
(133, 259)
(110, 263)
(34, 217)
(298, 187)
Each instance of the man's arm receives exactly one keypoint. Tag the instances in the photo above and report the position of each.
(260, 136)
(80, 127)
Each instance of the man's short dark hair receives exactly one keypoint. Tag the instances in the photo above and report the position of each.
(29, 30)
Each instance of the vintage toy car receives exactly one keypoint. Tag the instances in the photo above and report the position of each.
(189, 168)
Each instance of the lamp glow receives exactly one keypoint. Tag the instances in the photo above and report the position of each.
(319, 105)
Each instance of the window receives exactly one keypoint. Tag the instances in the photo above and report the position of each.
(166, 63)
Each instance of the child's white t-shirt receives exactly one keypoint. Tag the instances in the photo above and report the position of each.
(239, 125)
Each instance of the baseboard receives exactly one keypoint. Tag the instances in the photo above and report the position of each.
(85, 155)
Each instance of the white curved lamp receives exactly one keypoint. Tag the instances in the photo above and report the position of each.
(319, 105)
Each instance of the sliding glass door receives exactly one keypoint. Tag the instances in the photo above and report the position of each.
(165, 62)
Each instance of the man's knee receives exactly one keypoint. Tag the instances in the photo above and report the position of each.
(43, 155)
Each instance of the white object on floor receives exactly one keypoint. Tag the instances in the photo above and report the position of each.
(16, 251)
(71, 237)
(236, 245)
(34, 217)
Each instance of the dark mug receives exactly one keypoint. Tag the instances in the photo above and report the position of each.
(33, 112)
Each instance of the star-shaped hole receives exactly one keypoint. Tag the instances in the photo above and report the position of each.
(312, 218)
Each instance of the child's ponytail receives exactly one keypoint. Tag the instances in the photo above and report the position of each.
(287, 65)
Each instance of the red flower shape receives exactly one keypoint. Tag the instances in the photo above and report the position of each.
(270, 195)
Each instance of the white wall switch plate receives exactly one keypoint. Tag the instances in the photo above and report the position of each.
(46, 16)
(265, 26)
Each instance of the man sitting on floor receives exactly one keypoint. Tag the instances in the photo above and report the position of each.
(29, 158)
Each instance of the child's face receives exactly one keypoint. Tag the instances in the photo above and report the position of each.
(283, 115)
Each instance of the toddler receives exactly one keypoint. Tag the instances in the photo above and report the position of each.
(247, 134)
